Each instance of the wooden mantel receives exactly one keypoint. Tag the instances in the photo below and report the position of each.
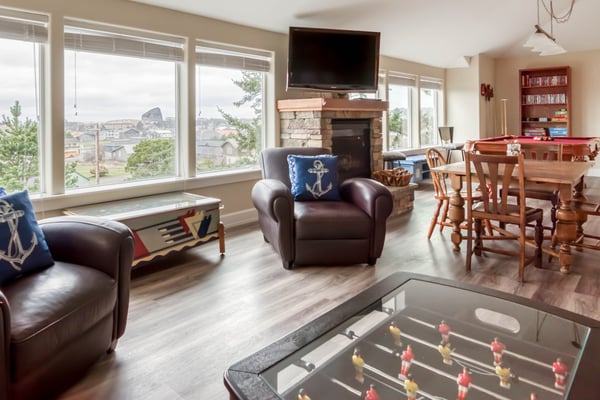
(330, 104)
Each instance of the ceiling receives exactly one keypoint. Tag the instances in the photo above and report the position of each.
(433, 32)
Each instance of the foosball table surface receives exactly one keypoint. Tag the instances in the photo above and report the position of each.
(417, 337)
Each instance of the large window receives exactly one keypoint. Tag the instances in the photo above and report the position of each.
(22, 37)
(400, 89)
(430, 90)
(230, 93)
(120, 106)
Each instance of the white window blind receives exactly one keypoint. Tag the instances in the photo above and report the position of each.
(431, 83)
(23, 26)
(220, 55)
(83, 36)
(402, 79)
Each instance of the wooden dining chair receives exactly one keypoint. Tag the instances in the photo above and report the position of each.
(493, 173)
(440, 217)
(435, 159)
(541, 191)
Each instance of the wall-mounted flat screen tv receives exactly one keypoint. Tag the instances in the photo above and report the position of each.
(333, 60)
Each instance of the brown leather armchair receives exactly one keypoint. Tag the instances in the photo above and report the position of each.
(350, 231)
(58, 321)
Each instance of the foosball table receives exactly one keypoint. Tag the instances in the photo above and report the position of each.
(416, 337)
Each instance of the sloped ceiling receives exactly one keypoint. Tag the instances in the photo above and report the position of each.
(431, 32)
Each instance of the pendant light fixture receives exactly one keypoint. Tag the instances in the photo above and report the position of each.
(543, 42)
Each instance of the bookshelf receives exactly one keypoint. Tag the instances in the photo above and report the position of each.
(545, 95)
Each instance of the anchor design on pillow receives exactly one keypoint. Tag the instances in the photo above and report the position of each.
(14, 254)
(317, 188)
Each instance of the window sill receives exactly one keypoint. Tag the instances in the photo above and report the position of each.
(54, 204)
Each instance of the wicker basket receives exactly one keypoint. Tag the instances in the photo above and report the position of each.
(393, 177)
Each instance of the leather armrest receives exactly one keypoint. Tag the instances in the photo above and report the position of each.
(369, 195)
(272, 198)
(94, 242)
(5, 349)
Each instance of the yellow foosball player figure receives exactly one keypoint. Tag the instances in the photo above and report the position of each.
(358, 363)
(411, 387)
(395, 332)
(446, 351)
(504, 375)
(302, 395)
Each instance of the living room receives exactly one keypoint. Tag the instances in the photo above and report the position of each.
(176, 363)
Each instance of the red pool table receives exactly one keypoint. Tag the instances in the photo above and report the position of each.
(574, 148)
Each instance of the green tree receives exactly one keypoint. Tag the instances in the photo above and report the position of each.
(71, 174)
(152, 157)
(19, 155)
(398, 127)
(247, 133)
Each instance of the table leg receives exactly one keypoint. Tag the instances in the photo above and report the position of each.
(221, 229)
(569, 220)
(457, 211)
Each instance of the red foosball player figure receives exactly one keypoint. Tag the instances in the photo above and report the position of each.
(371, 394)
(560, 373)
(407, 357)
(444, 330)
(445, 351)
(504, 375)
(302, 395)
(358, 363)
(497, 348)
(411, 388)
(464, 383)
(533, 396)
(395, 332)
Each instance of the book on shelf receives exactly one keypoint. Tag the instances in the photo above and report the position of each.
(534, 132)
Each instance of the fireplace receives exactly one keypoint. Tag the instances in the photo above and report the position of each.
(351, 129)
(319, 122)
(351, 143)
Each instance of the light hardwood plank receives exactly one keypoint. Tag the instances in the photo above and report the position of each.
(195, 313)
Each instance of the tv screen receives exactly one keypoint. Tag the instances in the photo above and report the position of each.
(333, 60)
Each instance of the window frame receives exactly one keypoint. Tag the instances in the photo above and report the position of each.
(100, 39)
(29, 27)
(239, 58)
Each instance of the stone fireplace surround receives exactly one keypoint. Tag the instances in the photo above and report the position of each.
(308, 122)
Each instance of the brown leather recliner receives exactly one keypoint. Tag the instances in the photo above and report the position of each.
(58, 321)
(350, 231)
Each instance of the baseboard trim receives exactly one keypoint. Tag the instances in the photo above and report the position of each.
(239, 218)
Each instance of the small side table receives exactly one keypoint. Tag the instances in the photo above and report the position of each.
(163, 223)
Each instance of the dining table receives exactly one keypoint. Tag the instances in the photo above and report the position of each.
(567, 177)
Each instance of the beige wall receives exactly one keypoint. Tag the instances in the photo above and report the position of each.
(465, 102)
(585, 87)
(462, 103)
(232, 189)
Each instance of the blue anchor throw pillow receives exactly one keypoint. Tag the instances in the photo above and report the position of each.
(23, 247)
(314, 177)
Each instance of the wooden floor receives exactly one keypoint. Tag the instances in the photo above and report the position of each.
(193, 314)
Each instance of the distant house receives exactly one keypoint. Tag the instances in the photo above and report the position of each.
(120, 124)
(71, 147)
(114, 151)
(218, 151)
(129, 133)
